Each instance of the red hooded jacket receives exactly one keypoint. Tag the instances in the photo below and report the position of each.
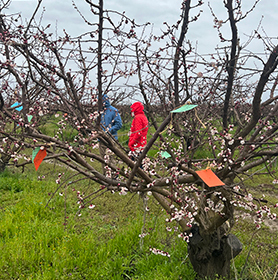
(139, 127)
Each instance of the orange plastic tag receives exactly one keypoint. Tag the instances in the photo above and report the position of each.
(209, 178)
(39, 158)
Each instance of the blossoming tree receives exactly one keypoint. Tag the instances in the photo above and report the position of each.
(231, 131)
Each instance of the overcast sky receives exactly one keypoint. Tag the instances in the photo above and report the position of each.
(62, 13)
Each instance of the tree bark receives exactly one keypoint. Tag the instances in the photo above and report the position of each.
(4, 160)
(178, 49)
(211, 254)
(231, 63)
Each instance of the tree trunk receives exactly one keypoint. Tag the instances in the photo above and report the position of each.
(4, 160)
(211, 254)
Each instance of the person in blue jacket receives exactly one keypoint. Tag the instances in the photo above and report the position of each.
(110, 121)
(110, 118)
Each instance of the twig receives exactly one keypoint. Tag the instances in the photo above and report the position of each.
(33, 16)
(275, 274)
(144, 222)
(241, 273)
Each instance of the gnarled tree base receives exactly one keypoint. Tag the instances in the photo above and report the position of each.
(211, 254)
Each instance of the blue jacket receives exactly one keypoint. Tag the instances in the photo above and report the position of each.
(110, 118)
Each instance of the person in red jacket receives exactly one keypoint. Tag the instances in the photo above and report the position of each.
(139, 128)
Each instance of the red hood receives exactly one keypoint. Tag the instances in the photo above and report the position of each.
(137, 108)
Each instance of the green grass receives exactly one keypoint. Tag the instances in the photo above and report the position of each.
(39, 242)
(103, 243)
